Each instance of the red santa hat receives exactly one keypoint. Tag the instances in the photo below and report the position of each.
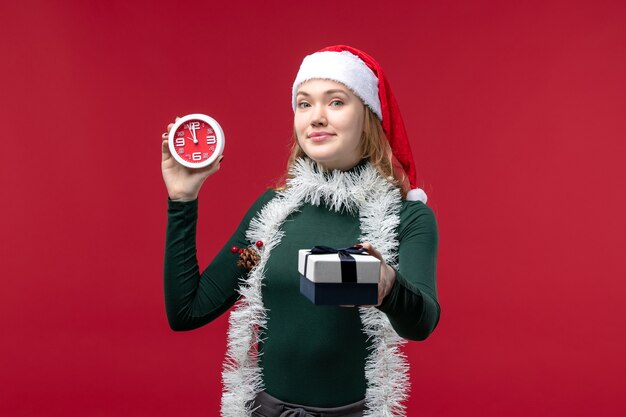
(365, 78)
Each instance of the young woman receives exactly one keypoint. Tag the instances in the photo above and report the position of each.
(349, 182)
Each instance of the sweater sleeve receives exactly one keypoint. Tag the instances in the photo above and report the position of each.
(193, 299)
(412, 306)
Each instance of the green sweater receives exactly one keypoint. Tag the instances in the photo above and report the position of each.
(311, 355)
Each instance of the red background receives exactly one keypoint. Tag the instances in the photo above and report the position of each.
(516, 116)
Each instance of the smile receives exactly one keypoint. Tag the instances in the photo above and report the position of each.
(320, 136)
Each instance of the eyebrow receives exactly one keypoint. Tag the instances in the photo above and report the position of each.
(327, 92)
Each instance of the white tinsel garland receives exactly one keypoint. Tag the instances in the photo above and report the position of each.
(361, 191)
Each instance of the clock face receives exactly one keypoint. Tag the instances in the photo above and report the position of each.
(197, 141)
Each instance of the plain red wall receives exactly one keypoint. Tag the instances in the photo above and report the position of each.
(516, 113)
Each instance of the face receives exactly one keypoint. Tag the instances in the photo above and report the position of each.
(329, 122)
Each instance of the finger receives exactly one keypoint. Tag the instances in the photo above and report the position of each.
(212, 168)
(169, 127)
(381, 293)
(165, 149)
(370, 249)
(382, 290)
(217, 163)
(366, 245)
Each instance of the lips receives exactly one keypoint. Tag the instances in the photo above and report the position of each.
(319, 136)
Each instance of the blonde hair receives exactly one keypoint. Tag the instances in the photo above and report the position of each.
(375, 148)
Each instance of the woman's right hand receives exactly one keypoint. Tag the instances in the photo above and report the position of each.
(182, 183)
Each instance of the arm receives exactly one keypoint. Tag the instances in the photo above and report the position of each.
(412, 306)
(193, 299)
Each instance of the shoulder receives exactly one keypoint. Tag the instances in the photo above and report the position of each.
(262, 200)
(258, 204)
(265, 197)
(416, 217)
(416, 210)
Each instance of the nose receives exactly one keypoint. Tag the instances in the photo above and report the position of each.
(318, 116)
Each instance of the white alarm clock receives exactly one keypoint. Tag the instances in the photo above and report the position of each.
(196, 140)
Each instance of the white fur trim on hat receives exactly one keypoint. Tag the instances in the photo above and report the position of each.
(417, 194)
(345, 68)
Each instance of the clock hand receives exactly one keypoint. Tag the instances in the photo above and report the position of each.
(193, 132)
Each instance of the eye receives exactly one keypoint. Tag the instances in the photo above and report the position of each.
(336, 103)
(303, 105)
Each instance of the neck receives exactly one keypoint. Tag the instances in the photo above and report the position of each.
(339, 165)
(346, 167)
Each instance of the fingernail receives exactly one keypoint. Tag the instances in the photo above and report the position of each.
(358, 246)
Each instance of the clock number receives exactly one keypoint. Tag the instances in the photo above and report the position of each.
(210, 140)
(196, 156)
(179, 142)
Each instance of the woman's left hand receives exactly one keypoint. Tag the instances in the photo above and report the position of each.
(387, 273)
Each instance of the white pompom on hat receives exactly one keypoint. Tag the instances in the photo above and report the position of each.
(364, 77)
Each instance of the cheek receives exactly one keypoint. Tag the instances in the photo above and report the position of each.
(299, 135)
(300, 141)
(299, 126)
(356, 130)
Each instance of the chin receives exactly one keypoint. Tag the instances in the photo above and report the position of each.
(320, 159)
